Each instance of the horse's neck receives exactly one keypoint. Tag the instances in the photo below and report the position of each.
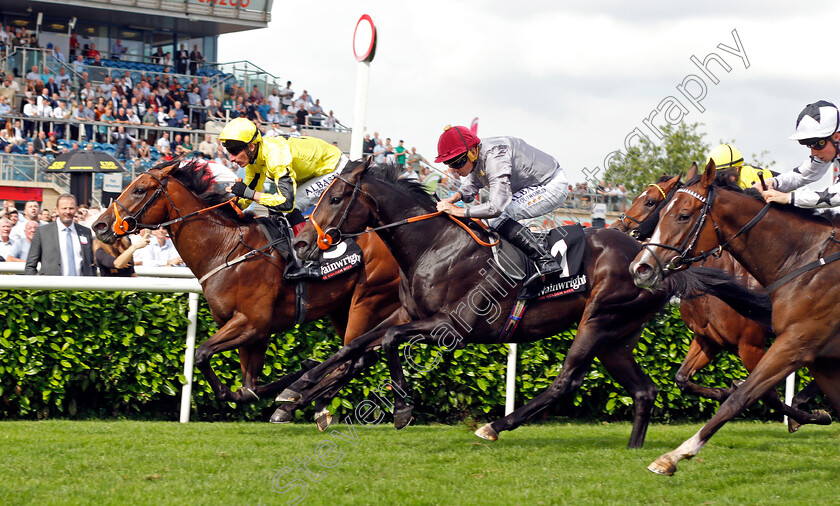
(205, 241)
(777, 244)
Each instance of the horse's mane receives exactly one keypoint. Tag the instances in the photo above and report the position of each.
(724, 180)
(390, 173)
(197, 176)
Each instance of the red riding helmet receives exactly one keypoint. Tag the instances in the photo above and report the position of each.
(455, 141)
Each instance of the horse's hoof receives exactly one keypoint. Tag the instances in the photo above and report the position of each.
(823, 418)
(288, 395)
(487, 433)
(662, 466)
(323, 420)
(793, 425)
(280, 416)
(402, 417)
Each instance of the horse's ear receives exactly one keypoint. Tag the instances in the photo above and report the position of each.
(692, 172)
(709, 175)
(173, 165)
(674, 180)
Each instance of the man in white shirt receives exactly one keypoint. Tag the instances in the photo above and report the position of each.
(159, 253)
(6, 242)
(163, 143)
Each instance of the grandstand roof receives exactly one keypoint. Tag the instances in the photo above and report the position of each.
(197, 17)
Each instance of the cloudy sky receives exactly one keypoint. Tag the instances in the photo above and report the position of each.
(571, 78)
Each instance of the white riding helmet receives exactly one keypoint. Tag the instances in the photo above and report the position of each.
(817, 121)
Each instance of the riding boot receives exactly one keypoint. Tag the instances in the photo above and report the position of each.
(523, 239)
(296, 270)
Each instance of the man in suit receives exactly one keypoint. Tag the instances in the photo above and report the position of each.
(63, 247)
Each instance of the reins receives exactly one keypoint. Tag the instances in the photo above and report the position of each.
(325, 237)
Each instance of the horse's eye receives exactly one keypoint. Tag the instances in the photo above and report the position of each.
(683, 217)
(139, 191)
(335, 201)
(650, 203)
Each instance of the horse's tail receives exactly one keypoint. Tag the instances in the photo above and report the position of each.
(698, 281)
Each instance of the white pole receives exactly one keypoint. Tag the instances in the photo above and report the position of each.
(510, 391)
(357, 137)
(790, 387)
(189, 356)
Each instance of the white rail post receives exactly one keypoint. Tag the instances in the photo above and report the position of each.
(189, 358)
(510, 391)
(790, 387)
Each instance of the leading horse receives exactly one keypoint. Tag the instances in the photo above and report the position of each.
(716, 326)
(785, 249)
(242, 279)
(453, 293)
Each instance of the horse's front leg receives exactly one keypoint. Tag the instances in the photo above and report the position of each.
(237, 332)
(436, 331)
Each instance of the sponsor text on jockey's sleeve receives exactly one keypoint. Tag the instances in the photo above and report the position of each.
(505, 165)
(300, 158)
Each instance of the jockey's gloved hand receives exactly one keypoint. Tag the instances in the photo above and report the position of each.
(240, 189)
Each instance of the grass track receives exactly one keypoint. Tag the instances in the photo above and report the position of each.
(126, 462)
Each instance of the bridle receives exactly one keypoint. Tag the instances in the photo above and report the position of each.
(127, 224)
(635, 233)
(333, 235)
(688, 243)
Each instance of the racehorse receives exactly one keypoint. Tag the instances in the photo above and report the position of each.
(716, 326)
(246, 294)
(783, 248)
(453, 294)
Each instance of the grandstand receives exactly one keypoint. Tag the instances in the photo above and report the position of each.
(109, 43)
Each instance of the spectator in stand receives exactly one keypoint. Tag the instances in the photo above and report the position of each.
(159, 253)
(379, 153)
(176, 115)
(301, 117)
(33, 78)
(8, 143)
(63, 247)
(39, 143)
(274, 131)
(74, 46)
(400, 153)
(255, 96)
(45, 217)
(20, 247)
(167, 62)
(123, 143)
(107, 116)
(117, 260)
(293, 131)
(286, 95)
(389, 151)
(5, 108)
(331, 121)
(273, 116)
(208, 147)
(6, 243)
(52, 145)
(93, 53)
(9, 89)
(163, 143)
(117, 50)
(414, 158)
(157, 56)
(274, 100)
(60, 113)
(368, 145)
(57, 55)
(214, 111)
(62, 77)
(205, 89)
(78, 65)
(51, 86)
(316, 113)
(196, 58)
(182, 60)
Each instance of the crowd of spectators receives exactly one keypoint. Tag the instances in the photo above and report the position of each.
(414, 165)
(17, 229)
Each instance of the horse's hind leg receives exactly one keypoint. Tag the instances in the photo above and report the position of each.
(828, 378)
(577, 362)
(780, 360)
(700, 353)
(622, 365)
(803, 396)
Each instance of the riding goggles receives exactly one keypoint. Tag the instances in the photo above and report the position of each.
(234, 147)
(457, 163)
(815, 143)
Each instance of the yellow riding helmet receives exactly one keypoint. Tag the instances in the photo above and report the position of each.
(726, 156)
(240, 130)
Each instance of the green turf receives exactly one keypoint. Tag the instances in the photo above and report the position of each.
(135, 463)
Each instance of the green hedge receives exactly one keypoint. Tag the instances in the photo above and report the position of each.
(93, 354)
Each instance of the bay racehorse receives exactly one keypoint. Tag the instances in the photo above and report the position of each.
(247, 296)
(453, 294)
(716, 326)
(789, 251)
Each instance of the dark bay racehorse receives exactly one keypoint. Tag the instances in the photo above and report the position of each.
(453, 294)
(773, 247)
(716, 326)
(249, 300)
